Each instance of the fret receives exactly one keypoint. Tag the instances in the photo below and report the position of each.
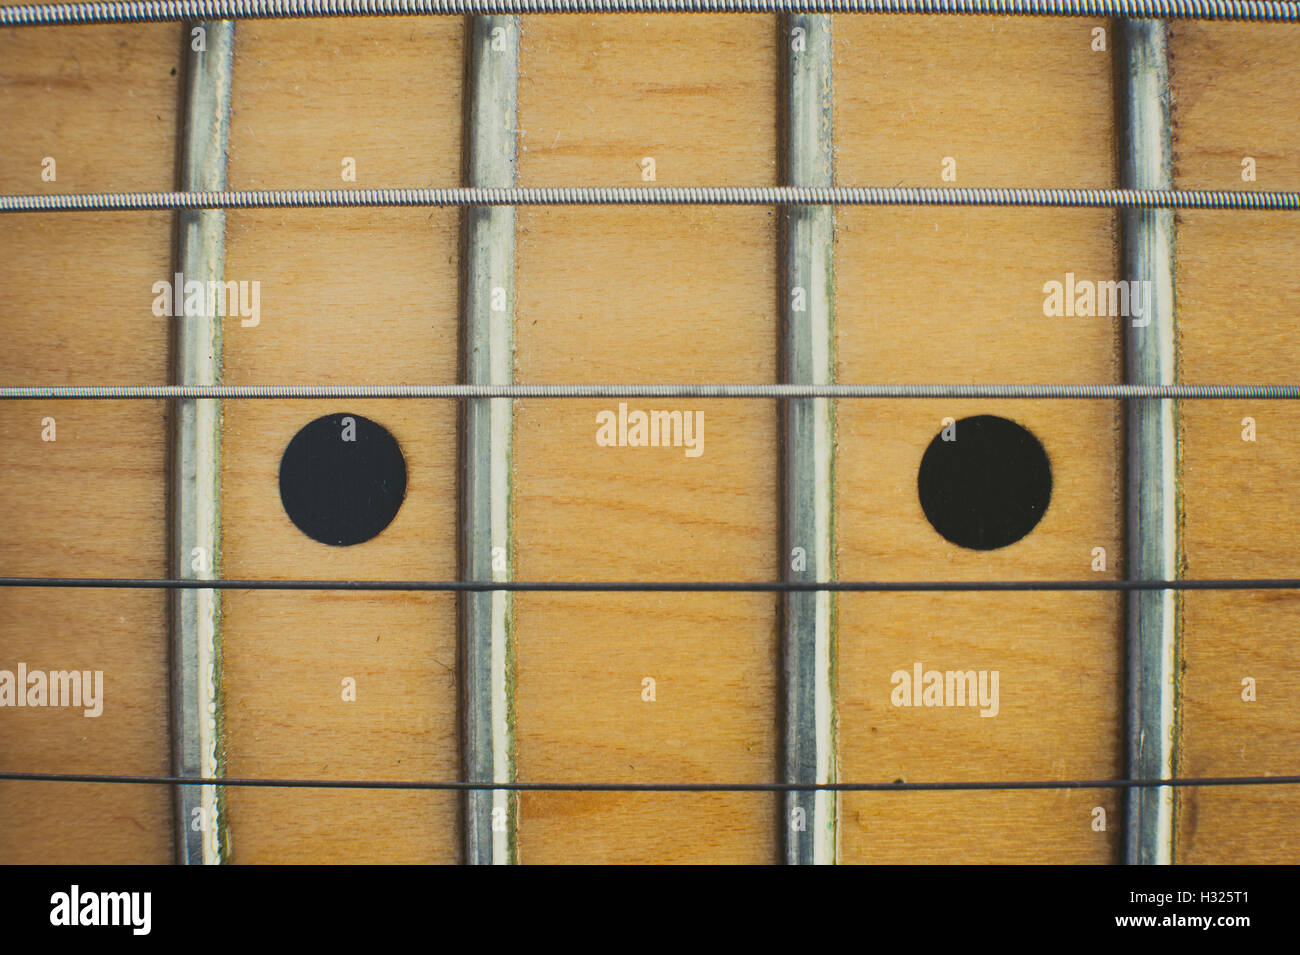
(195, 462)
(486, 539)
(1152, 467)
(808, 444)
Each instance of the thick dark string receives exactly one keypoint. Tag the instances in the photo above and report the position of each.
(951, 786)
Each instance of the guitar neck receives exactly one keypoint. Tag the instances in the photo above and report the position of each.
(628, 687)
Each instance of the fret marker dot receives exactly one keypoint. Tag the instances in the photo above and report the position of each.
(342, 479)
(989, 487)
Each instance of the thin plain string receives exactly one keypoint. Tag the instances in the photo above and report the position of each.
(655, 586)
(1062, 391)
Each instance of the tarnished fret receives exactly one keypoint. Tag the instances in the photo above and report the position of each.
(1152, 507)
(487, 335)
(195, 463)
(808, 443)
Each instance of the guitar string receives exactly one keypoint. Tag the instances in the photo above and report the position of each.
(152, 11)
(1069, 392)
(460, 785)
(980, 196)
(655, 586)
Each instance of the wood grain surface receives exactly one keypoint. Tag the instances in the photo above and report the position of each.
(76, 309)
(1235, 96)
(644, 295)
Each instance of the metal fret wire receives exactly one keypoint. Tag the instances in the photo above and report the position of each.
(1067, 198)
(806, 454)
(1151, 525)
(489, 820)
(194, 464)
(1069, 392)
(53, 14)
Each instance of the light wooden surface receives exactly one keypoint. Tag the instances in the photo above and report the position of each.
(76, 309)
(642, 295)
(1237, 289)
(956, 296)
(646, 295)
(348, 297)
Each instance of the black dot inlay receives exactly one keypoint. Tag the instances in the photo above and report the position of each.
(989, 487)
(342, 479)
